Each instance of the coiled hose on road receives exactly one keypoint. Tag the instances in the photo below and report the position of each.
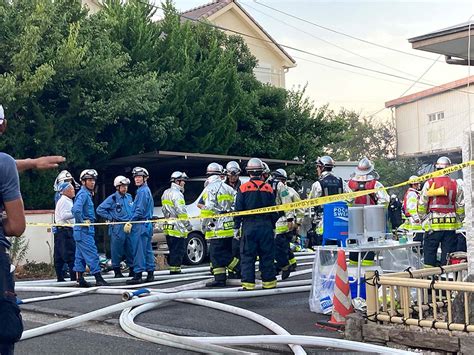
(186, 293)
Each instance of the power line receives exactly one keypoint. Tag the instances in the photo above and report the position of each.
(338, 68)
(412, 85)
(421, 76)
(330, 43)
(348, 71)
(341, 33)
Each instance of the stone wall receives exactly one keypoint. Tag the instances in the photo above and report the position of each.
(430, 341)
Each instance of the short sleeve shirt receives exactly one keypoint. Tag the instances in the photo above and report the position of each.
(9, 188)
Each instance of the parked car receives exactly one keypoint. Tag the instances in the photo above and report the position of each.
(197, 248)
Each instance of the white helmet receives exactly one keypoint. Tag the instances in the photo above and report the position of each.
(364, 167)
(266, 168)
(178, 175)
(88, 174)
(413, 180)
(139, 171)
(63, 176)
(326, 162)
(280, 174)
(233, 168)
(214, 169)
(442, 162)
(121, 180)
(255, 165)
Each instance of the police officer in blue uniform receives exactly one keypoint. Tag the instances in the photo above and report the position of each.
(86, 250)
(257, 230)
(141, 233)
(118, 208)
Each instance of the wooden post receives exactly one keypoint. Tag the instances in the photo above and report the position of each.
(371, 294)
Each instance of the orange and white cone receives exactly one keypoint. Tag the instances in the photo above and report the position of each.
(342, 302)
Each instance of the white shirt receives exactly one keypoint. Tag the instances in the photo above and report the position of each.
(317, 190)
(63, 212)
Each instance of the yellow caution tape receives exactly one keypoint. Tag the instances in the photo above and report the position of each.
(283, 207)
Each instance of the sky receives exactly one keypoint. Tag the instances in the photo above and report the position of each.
(388, 23)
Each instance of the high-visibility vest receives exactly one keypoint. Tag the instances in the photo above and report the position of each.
(370, 199)
(445, 203)
(405, 201)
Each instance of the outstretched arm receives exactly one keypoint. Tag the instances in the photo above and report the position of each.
(41, 163)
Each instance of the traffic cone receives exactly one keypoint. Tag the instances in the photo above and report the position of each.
(342, 303)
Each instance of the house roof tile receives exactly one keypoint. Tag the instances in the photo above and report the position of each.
(206, 10)
(430, 92)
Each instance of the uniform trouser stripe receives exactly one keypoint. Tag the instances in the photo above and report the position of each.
(248, 285)
(269, 284)
(219, 270)
(233, 264)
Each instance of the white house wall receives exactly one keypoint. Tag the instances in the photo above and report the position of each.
(416, 135)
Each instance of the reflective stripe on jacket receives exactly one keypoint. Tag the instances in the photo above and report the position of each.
(218, 198)
(174, 206)
(443, 212)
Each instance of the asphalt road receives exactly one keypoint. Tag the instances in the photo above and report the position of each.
(105, 336)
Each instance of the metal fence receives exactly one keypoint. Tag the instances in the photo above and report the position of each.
(434, 298)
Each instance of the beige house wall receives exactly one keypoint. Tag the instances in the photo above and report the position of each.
(416, 135)
(271, 65)
(93, 5)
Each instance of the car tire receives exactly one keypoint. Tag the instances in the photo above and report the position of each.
(196, 249)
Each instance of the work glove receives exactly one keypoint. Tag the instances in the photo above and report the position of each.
(86, 221)
(127, 227)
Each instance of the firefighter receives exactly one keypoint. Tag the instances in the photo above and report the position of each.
(442, 204)
(233, 180)
(327, 184)
(410, 209)
(176, 232)
(233, 171)
(218, 198)
(266, 171)
(286, 224)
(257, 230)
(366, 178)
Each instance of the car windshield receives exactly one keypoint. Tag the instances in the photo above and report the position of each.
(192, 190)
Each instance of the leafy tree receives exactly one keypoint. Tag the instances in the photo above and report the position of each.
(286, 125)
(69, 89)
(377, 141)
(118, 83)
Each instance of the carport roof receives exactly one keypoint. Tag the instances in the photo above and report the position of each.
(170, 159)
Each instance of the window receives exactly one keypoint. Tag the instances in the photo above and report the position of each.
(437, 116)
(263, 73)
